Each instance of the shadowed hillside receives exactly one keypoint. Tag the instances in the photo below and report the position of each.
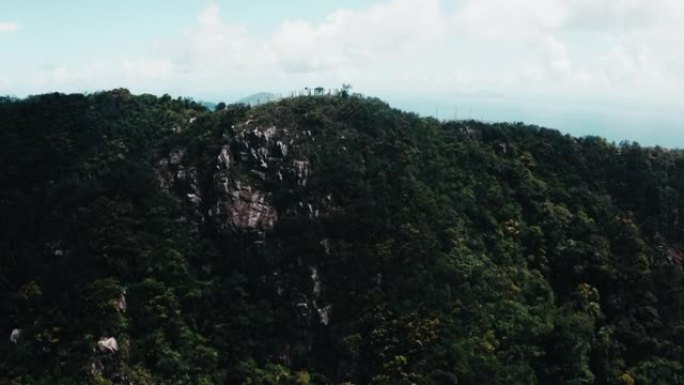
(330, 240)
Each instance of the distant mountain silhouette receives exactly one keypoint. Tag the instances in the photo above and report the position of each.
(259, 98)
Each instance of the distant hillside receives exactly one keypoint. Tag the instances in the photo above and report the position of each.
(258, 98)
(209, 105)
(330, 240)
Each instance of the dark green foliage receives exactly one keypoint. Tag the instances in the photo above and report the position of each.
(449, 253)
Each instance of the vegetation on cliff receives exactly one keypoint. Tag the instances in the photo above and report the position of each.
(330, 239)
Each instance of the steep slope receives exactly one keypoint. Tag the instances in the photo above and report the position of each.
(329, 239)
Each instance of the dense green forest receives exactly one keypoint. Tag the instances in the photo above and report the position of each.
(330, 240)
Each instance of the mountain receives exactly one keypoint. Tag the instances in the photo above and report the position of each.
(207, 104)
(258, 98)
(330, 240)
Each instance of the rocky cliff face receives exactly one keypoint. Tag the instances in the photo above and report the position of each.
(233, 198)
(253, 156)
(257, 156)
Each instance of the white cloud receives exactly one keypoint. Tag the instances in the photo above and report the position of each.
(615, 48)
(520, 18)
(360, 38)
(347, 45)
(211, 44)
(622, 14)
(631, 65)
(148, 68)
(557, 55)
(343, 41)
(513, 47)
(510, 19)
(9, 26)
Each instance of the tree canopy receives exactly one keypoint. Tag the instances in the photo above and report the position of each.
(330, 239)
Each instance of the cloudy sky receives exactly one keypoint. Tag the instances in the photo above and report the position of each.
(613, 68)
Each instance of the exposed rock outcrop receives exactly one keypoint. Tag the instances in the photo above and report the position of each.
(301, 169)
(255, 157)
(15, 336)
(119, 303)
(241, 206)
(259, 152)
(223, 159)
(323, 312)
(109, 345)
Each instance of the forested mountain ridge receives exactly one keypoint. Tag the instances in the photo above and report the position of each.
(330, 240)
